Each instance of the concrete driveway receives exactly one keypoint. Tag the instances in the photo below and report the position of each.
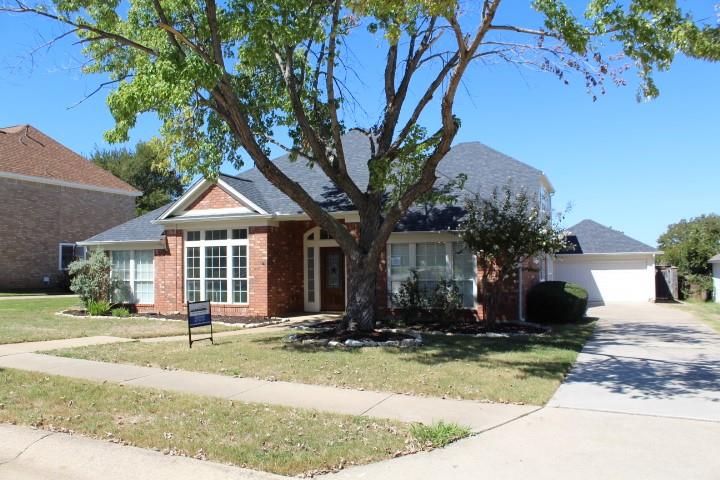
(642, 402)
(648, 359)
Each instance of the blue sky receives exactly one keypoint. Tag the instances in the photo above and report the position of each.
(634, 166)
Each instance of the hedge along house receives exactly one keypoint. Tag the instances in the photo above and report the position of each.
(245, 246)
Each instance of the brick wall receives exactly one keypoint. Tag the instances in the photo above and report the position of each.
(214, 197)
(170, 275)
(37, 217)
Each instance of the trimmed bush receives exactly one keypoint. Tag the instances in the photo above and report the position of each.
(98, 308)
(556, 302)
(120, 312)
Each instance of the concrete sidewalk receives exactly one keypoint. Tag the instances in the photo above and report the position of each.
(27, 454)
(565, 444)
(478, 416)
(47, 345)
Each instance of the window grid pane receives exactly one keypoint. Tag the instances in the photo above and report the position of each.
(239, 233)
(430, 261)
(311, 274)
(239, 274)
(216, 262)
(216, 235)
(216, 290)
(193, 236)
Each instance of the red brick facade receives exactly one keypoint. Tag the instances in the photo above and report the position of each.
(214, 197)
(276, 275)
(37, 217)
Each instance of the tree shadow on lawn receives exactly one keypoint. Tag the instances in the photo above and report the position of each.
(441, 349)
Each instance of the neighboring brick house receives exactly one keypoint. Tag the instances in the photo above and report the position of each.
(51, 198)
(252, 251)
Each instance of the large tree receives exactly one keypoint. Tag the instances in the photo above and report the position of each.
(146, 168)
(233, 78)
(689, 244)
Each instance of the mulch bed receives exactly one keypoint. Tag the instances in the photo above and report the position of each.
(182, 317)
(465, 327)
(375, 336)
(458, 327)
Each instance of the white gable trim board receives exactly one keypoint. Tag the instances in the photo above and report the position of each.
(178, 208)
(608, 277)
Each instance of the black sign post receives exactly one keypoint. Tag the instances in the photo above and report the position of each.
(199, 315)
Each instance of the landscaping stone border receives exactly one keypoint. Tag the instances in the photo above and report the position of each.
(415, 341)
(239, 326)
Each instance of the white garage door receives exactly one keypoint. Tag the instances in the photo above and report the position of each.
(608, 280)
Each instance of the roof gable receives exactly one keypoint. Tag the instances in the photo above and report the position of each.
(27, 153)
(206, 198)
(589, 236)
(486, 169)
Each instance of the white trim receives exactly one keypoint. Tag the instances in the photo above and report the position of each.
(621, 254)
(200, 187)
(65, 183)
(240, 197)
(412, 239)
(316, 244)
(132, 279)
(60, 247)
(210, 222)
(126, 245)
(214, 211)
(229, 243)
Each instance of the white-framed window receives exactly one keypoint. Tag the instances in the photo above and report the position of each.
(216, 265)
(68, 253)
(433, 261)
(135, 269)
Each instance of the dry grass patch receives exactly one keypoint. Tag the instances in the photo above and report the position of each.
(708, 312)
(33, 320)
(282, 440)
(517, 369)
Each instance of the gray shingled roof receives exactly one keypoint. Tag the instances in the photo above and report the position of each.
(715, 259)
(136, 230)
(486, 169)
(591, 237)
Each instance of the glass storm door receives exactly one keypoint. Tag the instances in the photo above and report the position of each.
(332, 279)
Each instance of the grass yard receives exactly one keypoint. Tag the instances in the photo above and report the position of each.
(29, 320)
(277, 439)
(709, 312)
(519, 370)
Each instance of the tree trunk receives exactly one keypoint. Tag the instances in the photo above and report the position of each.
(361, 309)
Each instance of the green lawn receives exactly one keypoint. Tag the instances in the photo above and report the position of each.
(519, 370)
(277, 439)
(709, 312)
(30, 320)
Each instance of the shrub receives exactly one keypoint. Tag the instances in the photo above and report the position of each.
(443, 303)
(446, 301)
(98, 307)
(410, 299)
(556, 302)
(120, 312)
(91, 280)
(438, 434)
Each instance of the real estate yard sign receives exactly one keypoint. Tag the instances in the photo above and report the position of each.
(199, 315)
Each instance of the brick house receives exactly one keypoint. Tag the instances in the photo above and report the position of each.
(51, 198)
(248, 248)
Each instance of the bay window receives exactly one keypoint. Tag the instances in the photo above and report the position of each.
(433, 261)
(216, 265)
(135, 271)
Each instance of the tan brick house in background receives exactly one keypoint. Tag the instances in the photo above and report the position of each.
(248, 248)
(51, 198)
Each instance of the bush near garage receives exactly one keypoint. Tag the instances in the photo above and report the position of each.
(556, 302)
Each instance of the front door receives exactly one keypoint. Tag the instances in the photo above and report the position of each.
(332, 279)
